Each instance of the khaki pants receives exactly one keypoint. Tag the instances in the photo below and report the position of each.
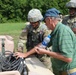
(10, 73)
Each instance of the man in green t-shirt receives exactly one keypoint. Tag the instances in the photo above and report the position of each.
(63, 42)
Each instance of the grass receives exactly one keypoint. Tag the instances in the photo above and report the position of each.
(12, 29)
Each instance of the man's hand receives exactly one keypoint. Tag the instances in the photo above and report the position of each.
(20, 55)
(40, 50)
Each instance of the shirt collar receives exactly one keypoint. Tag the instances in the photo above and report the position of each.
(56, 28)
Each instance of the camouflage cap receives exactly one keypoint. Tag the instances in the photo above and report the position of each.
(34, 15)
(71, 4)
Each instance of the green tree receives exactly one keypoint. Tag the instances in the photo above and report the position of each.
(17, 10)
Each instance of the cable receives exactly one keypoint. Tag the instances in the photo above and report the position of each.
(9, 63)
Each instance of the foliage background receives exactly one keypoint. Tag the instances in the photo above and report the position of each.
(17, 10)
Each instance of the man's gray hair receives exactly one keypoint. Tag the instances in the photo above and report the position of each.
(57, 18)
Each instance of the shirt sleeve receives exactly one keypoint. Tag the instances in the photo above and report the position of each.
(23, 37)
